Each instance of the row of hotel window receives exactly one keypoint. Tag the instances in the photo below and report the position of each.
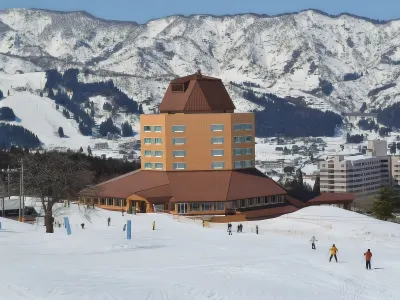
(214, 127)
(182, 153)
(241, 164)
(104, 201)
(214, 140)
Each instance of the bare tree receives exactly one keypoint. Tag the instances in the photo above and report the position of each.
(53, 177)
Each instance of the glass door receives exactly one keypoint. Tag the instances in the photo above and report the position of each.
(182, 208)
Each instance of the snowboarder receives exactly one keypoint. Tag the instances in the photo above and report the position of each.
(256, 229)
(229, 227)
(83, 225)
(368, 256)
(109, 221)
(230, 230)
(124, 228)
(313, 240)
(333, 251)
(154, 225)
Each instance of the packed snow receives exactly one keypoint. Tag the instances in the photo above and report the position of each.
(183, 260)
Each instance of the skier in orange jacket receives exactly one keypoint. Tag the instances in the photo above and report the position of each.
(368, 256)
(333, 251)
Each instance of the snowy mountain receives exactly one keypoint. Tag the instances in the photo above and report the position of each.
(330, 62)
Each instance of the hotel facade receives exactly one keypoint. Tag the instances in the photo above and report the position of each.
(197, 159)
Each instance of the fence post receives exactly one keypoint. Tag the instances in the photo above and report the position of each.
(67, 225)
(0, 225)
(128, 230)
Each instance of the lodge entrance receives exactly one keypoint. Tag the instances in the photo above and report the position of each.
(182, 208)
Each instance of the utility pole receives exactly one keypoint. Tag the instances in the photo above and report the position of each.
(22, 190)
(20, 196)
(8, 182)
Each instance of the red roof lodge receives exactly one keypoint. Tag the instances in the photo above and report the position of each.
(198, 159)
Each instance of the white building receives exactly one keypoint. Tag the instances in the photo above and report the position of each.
(395, 171)
(362, 175)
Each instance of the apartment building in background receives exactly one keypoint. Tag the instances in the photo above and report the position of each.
(395, 169)
(362, 175)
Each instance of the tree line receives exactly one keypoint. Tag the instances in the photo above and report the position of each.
(13, 135)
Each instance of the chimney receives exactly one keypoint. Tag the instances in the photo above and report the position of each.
(198, 74)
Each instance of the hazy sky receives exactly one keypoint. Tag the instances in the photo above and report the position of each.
(144, 10)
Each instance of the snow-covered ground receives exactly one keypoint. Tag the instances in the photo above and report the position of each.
(182, 260)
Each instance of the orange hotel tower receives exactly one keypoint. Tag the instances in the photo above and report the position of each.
(197, 158)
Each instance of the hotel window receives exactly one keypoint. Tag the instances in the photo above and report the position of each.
(217, 152)
(147, 129)
(158, 166)
(217, 165)
(219, 206)
(157, 128)
(179, 141)
(273, 199)
(248, 163)
(158, 141)
(148, 165)
(194, 206)
(177, 87)
(251, 201)
(103, 201)
(217, 127)
(249, 139)
(178, 128)
(206, 206)
(242, 151)
(237, 139)
(243, 203)
(179, 166)
(179, 153)
(240, 127)
(147, 141)
(117, 202)
(109, 201)
(148, 153)
(158, 153)
(123, 203)
(217, 140)
(259, 201)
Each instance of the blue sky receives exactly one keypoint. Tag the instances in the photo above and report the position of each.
(144, 10)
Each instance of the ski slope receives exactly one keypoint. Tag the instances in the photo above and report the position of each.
(39, 115)
(180, 260)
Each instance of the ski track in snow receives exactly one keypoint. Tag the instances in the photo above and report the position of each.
(185, 261)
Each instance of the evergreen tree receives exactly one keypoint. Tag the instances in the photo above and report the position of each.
(107, 106)
(51, 94)
(108, 127)
(8, 93)
(384, 204)
(6, 114)
(127, 129)
(300, 178)
(57, 107)
(89, 150)
(61, 132)
(317, 185)
(1, 94)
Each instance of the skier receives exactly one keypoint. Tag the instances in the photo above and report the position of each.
(109, 221)
(154, 225)
(124, 228)
(256, 229)
(313, 240)
(241, 227)
(238, 228)
(368, 256)
(122, 212)
(229, 227)
(333, 251)
(230, 230)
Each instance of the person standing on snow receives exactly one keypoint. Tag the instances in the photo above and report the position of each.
(154, 225)
(109, 221)
(313, 240)
(230, 230)
(368, 256)
(333, 251)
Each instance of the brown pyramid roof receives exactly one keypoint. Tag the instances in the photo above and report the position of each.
(196, 93)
